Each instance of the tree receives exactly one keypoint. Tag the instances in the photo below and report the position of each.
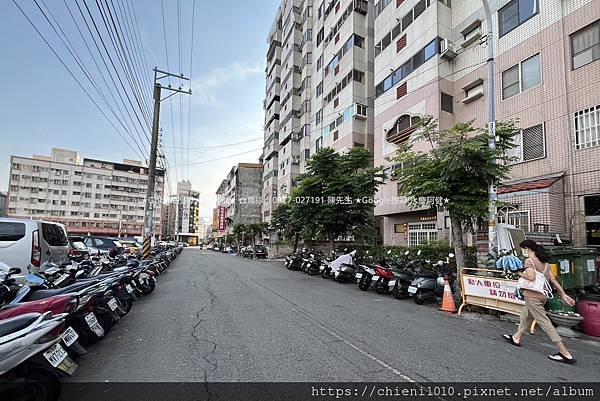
(255, 230)
(282, 220)
(334, 198)
(455, 173)
(240, 230)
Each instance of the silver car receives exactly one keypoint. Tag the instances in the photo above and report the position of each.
(28, 244)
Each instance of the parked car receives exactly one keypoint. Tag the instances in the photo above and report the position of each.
(131, 246)
(28, 244)
(106, 245)
(259, 250)
(78, 251)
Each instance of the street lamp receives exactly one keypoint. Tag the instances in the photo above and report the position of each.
(491, 111)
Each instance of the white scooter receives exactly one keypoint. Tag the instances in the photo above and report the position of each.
(30, 350)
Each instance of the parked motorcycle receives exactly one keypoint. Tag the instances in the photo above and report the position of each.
(428, 285)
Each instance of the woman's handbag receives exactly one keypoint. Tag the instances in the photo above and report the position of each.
(540, 284)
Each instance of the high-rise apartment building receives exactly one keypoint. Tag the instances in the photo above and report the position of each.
(430, 59)
(89, 196)
(319, 87)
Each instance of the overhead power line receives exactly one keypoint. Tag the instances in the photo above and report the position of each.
(73, 76)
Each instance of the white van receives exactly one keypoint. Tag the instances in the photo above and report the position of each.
(30, 243)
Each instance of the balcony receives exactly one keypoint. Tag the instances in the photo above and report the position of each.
(272, 47)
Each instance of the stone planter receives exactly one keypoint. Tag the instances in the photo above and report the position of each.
(565, 322)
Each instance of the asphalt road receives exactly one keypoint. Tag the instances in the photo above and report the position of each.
(217, 317)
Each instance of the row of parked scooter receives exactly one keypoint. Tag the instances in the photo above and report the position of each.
(412, 277)
(49, 318)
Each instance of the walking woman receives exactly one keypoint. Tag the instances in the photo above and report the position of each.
(537, 261)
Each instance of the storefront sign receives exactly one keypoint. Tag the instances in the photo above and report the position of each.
(222, 217)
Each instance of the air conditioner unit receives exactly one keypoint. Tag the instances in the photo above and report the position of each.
(447, 49)
(296, 136)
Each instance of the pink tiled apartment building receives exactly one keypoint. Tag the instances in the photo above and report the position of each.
(430, 58)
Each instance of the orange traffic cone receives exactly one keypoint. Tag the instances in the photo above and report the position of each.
(448, 301)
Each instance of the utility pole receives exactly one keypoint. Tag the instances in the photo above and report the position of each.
(150, 200)
(491, 111)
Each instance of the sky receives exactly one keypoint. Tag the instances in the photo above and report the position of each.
(43, 107)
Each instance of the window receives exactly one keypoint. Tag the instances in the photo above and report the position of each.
(518, 218)
(319, 63)
(11, 231)
(515, 13)
(319, 144)
(320, 36)
(421, 233)
(320, 89)
(531, 72)
(447, 103)
(319, 117)
(510, 82)
(530, 144)
(585, 45)
(54, 234)
(587, 128)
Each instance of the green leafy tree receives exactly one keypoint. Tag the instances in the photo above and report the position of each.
(256, 229)
(283, 221)
(240, 230)
(456, 171)
(334, 198)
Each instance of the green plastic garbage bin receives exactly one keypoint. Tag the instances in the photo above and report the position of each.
(577, 267)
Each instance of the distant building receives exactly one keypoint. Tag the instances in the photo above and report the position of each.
(188, 202)
(168, 219)
(89, 196)
(2, 204)
(239, 198)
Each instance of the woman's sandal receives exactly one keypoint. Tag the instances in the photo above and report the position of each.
(558, 357)
(510, 339)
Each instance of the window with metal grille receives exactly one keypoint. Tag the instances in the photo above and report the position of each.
(447, 103)
(585, 45)
(520, 219)
(530, 144)
(421, 233)
(587, 128)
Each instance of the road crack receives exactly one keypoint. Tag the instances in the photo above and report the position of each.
(198, 330)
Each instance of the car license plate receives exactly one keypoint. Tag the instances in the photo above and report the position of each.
(92, 321)
(129, 288)
(55, 355)
(412, 289)
(392, 283)
(375, 278)
(112, 304)
(69, 336)
(358, 275)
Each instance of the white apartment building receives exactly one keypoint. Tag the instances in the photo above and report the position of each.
(188, 207)
(319, 88)
(430, 58)
(89, 196)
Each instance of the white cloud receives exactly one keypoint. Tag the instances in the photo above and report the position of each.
(205, 88)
